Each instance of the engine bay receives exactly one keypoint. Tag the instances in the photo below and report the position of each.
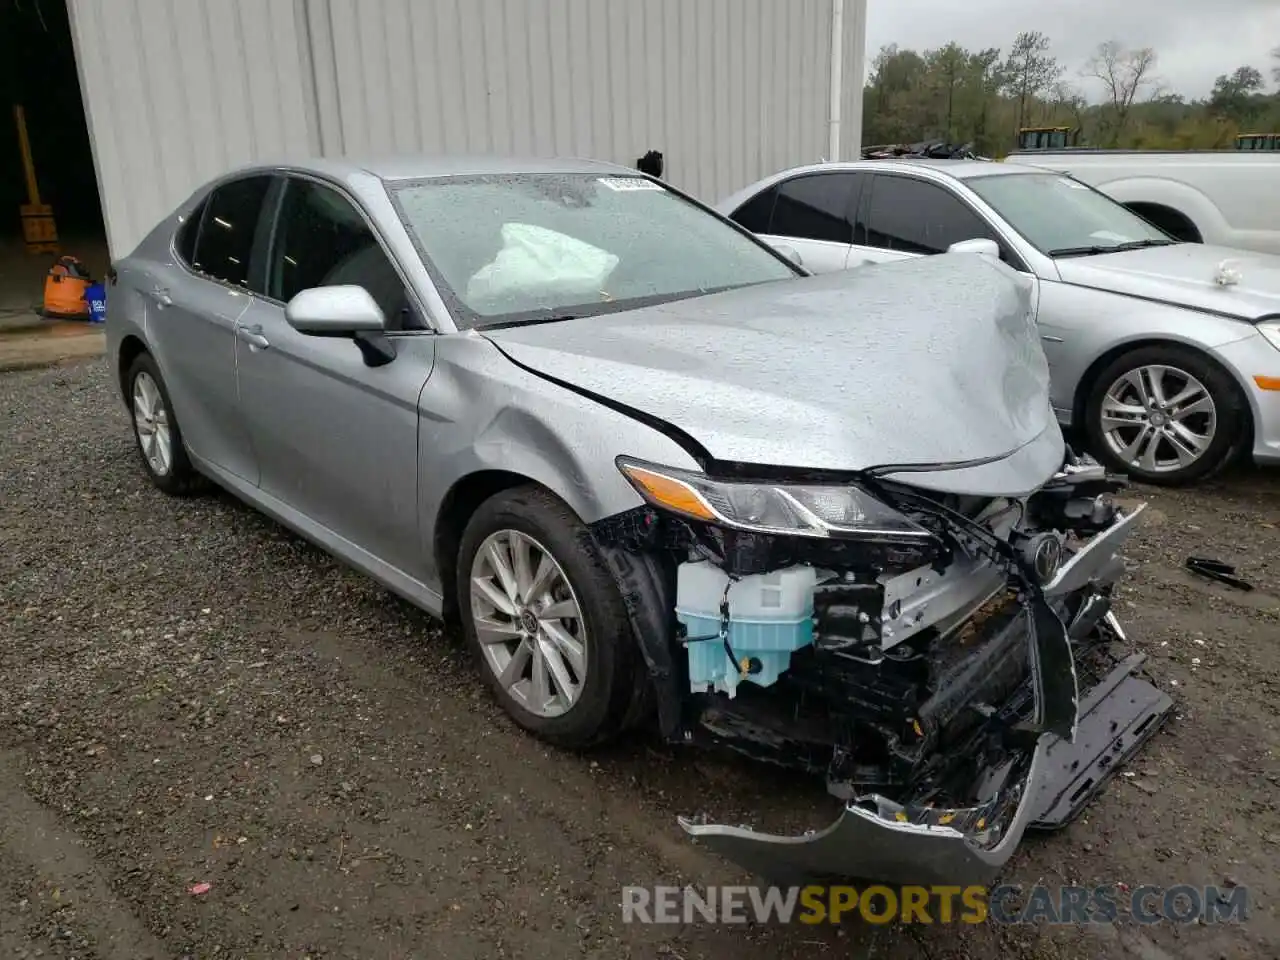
(919, 674)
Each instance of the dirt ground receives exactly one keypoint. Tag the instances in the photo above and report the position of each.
(189, 694)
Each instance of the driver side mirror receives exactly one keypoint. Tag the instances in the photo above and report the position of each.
(344, 310)
(981, 246)
(335, 311)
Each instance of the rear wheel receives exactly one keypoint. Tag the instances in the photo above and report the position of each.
(545, 618)
(156, 430)
(1165, 414)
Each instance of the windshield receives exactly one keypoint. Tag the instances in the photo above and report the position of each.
(1062, 217)
(533, 247)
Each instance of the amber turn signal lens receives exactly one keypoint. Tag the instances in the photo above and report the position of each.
(670, 493)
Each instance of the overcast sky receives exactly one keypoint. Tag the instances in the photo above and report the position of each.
(1196, 40)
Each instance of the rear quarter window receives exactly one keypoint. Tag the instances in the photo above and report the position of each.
(184, 242)
(756, 213)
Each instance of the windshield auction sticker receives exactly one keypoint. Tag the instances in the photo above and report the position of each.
(622, 184)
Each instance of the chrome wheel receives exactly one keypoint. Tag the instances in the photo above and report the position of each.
(1158, 419)
(152, 422)
(528, 622)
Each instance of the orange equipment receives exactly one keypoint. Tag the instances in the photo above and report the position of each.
(64, 289)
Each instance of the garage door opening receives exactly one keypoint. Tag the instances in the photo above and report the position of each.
(38, 73)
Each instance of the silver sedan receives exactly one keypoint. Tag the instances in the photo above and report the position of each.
(1165, 354)
(657, 474)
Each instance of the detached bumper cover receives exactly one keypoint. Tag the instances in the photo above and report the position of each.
(1116, 719)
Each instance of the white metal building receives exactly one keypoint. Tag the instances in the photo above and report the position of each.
(176, 91)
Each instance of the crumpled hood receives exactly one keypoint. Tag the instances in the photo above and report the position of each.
(920, 362)
(1185, 274)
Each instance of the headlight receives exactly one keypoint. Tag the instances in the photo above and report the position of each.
(1271, 330)
(787, 509)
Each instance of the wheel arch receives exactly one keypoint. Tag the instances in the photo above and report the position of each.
(457, 507)
(131, 347)
(1172, 221)
(1088, 380)
(1180, 198)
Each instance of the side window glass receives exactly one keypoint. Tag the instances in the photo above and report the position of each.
(755, 214)
(815, 207)
(917, 217)
(230, 219)
(322, 241)
(185, 242)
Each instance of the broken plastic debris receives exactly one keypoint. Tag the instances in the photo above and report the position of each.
(1217, 570)
(199, 889)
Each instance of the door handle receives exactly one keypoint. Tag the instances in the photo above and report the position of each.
(161, 296)
(253, 337)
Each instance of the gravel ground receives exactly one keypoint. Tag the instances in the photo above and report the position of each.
(192, 695)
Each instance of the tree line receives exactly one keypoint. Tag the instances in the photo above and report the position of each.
(986, 96)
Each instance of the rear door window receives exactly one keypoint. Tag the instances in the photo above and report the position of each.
(913, 216)
(816, 206)
(224, 245)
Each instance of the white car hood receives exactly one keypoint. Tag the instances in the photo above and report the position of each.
(1186, 274)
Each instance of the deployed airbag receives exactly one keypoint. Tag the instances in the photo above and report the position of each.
(536, 263)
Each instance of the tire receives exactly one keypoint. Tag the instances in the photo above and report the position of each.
(1221, 424)
(174, 475)
(608, 649)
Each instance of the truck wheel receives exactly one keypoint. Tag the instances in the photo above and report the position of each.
(1165, 414)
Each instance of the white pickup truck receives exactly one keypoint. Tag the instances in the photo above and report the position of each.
(1230, 198)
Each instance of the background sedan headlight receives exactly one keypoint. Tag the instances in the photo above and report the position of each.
(779, 508)
(1271, 330)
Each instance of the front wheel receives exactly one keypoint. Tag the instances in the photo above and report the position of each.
(1165, 415)
(545, 618)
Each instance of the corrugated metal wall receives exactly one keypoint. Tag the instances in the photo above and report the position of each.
(728, 90)
(177, 91)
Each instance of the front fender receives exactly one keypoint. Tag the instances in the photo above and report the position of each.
(480, 413)
(518, 441)
(1080, 326)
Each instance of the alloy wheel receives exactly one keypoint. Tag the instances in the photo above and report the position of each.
(1158, 418)
(528, 622)
(152, 421)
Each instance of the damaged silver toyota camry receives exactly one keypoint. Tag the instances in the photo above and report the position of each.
(659, 474)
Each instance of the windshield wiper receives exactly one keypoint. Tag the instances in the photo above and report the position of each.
(1079, 251)
(1114, 248)
(1140, 244)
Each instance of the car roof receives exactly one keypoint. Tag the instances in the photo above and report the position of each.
(423, 166)
(959, 169)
